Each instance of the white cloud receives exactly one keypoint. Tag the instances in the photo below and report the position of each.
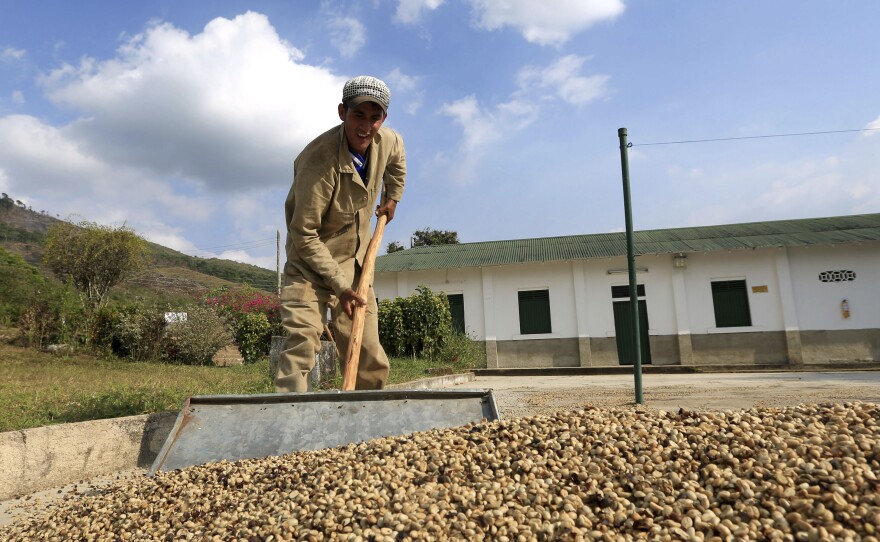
(348, 35)
(168, 237)
(401, 81)
(410, 11)
(42, 156)
(548, 22)
(17, 97)
(483, 128)
(564, 79)
(874, 126)
(248, 213)
(822, 186)
(47, 163)
(409, 86)
(5, 184)
(172, 130)
(243, 256)
(10, 53)
(226, 108)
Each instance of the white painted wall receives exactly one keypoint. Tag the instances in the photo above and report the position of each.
(555, 276)
(818, 303)
(581, 303)
(757, 267)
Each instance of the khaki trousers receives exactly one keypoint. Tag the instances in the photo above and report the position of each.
(303, 310)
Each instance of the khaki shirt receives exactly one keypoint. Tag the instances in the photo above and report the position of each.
(328, 208)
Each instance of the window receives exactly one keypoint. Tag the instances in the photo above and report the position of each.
(456, 307)
(534, 312)
(731, 301)
(618, 292)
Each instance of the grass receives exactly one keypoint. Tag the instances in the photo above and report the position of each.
(38, 388)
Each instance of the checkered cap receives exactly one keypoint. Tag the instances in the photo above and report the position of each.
(365, 88)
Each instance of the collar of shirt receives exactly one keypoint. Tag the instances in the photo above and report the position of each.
(360, 164)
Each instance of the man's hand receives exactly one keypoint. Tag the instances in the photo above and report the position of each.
(387, 209)
(349, 300)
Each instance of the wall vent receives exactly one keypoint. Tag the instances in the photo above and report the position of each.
(837, 276)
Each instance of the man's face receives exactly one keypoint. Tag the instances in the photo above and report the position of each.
(361, 124)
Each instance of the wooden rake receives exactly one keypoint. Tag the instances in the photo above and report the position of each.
(359, 314)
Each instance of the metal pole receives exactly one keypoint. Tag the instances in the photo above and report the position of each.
(278, 259)
(631, 264)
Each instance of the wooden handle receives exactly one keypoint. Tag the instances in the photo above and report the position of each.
(359, 314)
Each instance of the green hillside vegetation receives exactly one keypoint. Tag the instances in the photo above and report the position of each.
(19, 282)
(170, 273)
(228, 270)
(11, 234)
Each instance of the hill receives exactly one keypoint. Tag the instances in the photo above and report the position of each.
(23, 231)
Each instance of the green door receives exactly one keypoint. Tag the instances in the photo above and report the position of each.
(623, 329)
(456, 307)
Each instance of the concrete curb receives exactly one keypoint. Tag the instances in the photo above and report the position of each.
(46, 457)
(434, 382)
(41, 458)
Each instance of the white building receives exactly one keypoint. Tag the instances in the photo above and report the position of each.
(767, 293)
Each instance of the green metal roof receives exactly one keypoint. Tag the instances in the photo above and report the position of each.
(781, 233)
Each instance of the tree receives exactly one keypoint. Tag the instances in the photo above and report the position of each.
(428, 237)
(94, 258)
(393, 247)
(19, 283)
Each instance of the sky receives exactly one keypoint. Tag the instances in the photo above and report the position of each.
(181, 120)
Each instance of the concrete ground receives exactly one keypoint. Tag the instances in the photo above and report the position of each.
(532, 395)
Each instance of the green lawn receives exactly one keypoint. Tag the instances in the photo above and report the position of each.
(38, 388)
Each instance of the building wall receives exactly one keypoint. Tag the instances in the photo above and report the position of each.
(841, 345)
(818, 303)
(539, 353)
(795, 317)
(757, 267)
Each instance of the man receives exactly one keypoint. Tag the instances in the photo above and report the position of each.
(337, 179)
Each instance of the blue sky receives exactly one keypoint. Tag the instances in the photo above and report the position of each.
(182, 119)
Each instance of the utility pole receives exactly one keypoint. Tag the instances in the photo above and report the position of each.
(631, 265)
(278, 259)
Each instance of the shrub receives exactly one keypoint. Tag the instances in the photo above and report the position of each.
(463, 352)
(102, 331)
(20, 284)
(427, 322)
(419, 325)
(195, 340)
(140, 332)
(93, 258)
(52, 316)
(391, 331)
(255, 316)
(253, 336)
(39, 324)
(75, 319)
(246, 300)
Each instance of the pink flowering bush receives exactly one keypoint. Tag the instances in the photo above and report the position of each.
(245, 300)
(254, 315)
